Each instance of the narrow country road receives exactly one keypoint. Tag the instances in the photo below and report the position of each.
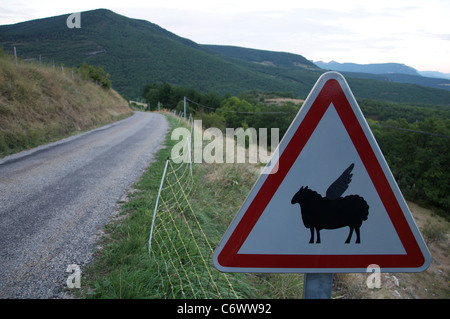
(55, 198)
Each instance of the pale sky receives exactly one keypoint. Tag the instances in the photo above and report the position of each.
(413, 32)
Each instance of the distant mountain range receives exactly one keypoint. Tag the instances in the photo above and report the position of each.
(395, 72)
(435, 74)
(375, 68)
(136, 52)
(379, 68)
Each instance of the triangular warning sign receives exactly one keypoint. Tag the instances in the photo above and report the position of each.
(330, 204)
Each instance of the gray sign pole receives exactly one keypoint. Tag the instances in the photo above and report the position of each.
(317, 286)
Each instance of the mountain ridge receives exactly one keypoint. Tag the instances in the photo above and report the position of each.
(373, 68)
(394, 72)
(133, 51)
(435, 74)
(270, 58)
(380, 68)
(136, 52)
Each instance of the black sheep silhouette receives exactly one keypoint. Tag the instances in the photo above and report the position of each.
(332, 211)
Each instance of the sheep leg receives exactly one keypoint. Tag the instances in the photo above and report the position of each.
(311, 240)
(318, 236)
(357, 235)
(349, 235)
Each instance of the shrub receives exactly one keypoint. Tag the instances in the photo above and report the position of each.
(96, 74)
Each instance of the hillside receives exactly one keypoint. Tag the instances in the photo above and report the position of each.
(41, 104)
(269, 58)
(134, 52)
(393, 87)
(137, 52)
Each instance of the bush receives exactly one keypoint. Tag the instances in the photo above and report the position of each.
(97, 75)
(213, 120)
(434, 232)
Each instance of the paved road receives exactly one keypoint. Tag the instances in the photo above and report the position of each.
(54, 199)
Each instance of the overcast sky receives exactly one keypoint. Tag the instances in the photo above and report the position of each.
(416, 33)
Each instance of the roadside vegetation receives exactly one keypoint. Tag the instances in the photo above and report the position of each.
(415, 139)
(42, 103)
(39, 104)
(122, 267)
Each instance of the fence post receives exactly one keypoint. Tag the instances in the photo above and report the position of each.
(190, 153)
(185, 108)
(15, 55)
(156, 207)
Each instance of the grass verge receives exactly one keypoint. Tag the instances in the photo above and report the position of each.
(122, 267)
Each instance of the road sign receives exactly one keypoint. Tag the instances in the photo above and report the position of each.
(330, 205)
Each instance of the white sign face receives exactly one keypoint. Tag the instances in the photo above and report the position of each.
(332, 206)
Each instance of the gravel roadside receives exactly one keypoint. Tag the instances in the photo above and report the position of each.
(55, 198)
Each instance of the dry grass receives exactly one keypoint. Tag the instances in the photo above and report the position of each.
(434, 283)
(41, 104)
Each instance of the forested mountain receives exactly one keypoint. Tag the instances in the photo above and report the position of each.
(269, 58)
(136, 52)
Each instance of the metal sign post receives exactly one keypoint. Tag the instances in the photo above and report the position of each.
(317, 286)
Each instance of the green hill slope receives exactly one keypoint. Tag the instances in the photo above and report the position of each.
(270, 58)
(136, 52)
(295, 68)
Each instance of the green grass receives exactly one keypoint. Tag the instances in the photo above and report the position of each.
(122, 267)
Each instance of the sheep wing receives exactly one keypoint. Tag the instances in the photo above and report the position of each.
(340, 185)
